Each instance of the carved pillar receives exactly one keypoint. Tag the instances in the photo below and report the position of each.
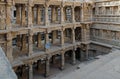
(18, 41)
(38, 15)
(62, 38)
(8, 15)
(62, 60)
(46, 16)
(85, 32)
(30, 71)
(30, 43)
(30, 15)
(23, 15)
(39, 44)
(9, 47)
(53, 15)
(33, 15)
(47, 67)
(73, 35)
(62, 15)
(23, 43)
(73, 14)
(54, 36)
(18, 18)
(82, 57)
(73, 57)
(46, 41)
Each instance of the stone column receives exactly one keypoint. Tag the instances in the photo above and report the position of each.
(8, 15)
(30, 71)
(39, 44)
(73, 57)
(53, 15)
(62, 60)
(73, 14)
(38, 15)
(33, 15)
(62, 15)
(47, 67)
(18, 18)
(62, 38)
(54, 36)
(46, 40)
(9, 47)
(73, 35)
(18, 41)
(23, 15)
(23, 43)
(30, 43)
(30, 15)
(46, 16)
(87, 53)
(82, 57)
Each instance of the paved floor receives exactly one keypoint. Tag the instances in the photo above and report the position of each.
(107, 67)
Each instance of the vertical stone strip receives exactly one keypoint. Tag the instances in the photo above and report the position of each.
(39, 44)
(47, 67)
(62, 38)
(30, 43)
(18, 18)
(23, 15)
(73, 14)
(9, 47)
(73, 57)
(46, 15)
(62, 60)
(30, 71)
(38, 15)
(8, 15)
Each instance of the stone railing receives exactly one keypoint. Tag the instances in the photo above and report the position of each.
(112, 3)
(106, 19)
(106, 41)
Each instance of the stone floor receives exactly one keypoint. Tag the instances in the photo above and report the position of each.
(106, 67)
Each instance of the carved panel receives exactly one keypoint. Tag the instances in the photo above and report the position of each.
(2, 17)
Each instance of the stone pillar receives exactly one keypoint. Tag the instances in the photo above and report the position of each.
(23, 43)
(30, 71)
(46, 40)
(30, 43)
(30, 15)
(9, 47)
(87, 52)
(33, 15)
(23, 15)
(38, 15)
(82, 57)
(47, 67)
(39, 43)
(62, 60)
(54, 36)
(73, 57)
(62, 15)
(53, 15)
(53, 60)
(18, 41)
(62, 38)
(46, 16)
(82, 13)
(73, 35)
(8, 15)
(73, 14)
(18, 18)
